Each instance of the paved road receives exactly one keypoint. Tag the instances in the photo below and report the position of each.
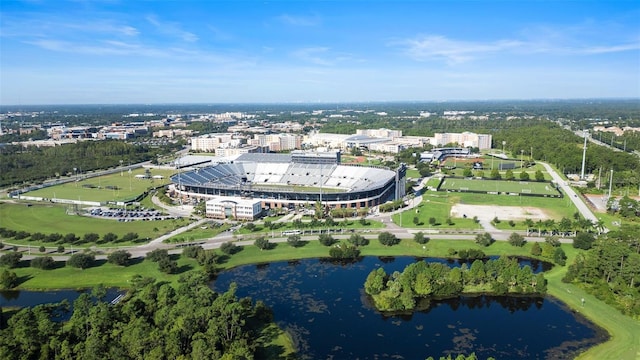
(573, 196)
(400, 232)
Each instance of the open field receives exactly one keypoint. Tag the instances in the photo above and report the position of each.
(122, 186)
(50, 218)
(444, 205)
(488, 212)
(524, 187)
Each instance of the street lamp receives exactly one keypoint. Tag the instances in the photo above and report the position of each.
(521, 157)
(75, 171)
(121, 173)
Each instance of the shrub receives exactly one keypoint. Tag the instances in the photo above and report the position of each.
(326, 239)
(229, 248)
(192, 252)
(584, 241)
(388, 239)
(516, 239)
(262, 243)
(8, 279)
(295, 241)
(559, 257)
(119, 257)
(60, 249)
(43, 262)
(81, 260)
(358, 240)
(42, 249)
(420, 238)
(344, 251)
(10, 260)
(536, 250)
(484, 239)
(168, 266)
(157, 255)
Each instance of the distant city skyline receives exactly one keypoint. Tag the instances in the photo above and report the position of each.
(113, 52)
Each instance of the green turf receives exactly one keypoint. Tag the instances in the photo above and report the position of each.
(350, 224)
(413, 173)
(530, 187)
(128, 187)
(106, 274)
(50, 218)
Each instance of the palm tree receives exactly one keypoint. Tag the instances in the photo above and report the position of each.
(529, 224)
(600, 226)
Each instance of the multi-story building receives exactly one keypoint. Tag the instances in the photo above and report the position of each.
(210, 142)
(236, 208)
(380, 133)
(465, 139)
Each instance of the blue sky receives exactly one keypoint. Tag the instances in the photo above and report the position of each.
(110, 51)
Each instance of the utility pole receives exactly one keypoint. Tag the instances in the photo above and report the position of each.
(610, 183)
(584, 154)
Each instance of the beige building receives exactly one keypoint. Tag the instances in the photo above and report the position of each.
(465, 139)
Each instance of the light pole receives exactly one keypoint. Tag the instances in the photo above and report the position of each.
(121, 173)
(75, 171)
(521, 157)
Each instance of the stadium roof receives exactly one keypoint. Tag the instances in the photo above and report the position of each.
(264, 158)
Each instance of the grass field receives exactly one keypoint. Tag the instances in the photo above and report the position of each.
(438, 205)
(528, 187)
(95, 189)
(50, 218)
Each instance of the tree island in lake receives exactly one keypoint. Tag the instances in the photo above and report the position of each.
(421, 280)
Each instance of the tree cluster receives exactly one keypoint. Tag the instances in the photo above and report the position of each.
(399, 291)
(154, 321)
(611, 269)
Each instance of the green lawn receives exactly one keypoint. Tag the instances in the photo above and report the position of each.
(413, 173)
(530, 187)
(127, 185)
(351, 224)
(106, 274)
(438, 205)
(50, 218)
(198, 233)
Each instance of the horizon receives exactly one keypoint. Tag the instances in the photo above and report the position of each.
(316, 52)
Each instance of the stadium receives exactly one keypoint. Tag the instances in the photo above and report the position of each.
(290, 180)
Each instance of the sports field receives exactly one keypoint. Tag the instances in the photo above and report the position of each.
(113, 187)
(520, 187)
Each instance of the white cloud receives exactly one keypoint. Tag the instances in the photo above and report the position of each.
(298, 20)
(171, 28)
(453, 51)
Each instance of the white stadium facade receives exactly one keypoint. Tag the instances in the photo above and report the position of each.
(290, 180)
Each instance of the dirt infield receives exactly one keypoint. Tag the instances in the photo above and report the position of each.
(488, 212)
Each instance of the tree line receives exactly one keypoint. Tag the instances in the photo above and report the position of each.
(610, 269)
(34, 164)
(421, 280)
(155, 321)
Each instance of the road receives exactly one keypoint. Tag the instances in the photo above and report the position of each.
(400, 232)
(571, 194)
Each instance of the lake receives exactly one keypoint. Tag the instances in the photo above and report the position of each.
(323, 307)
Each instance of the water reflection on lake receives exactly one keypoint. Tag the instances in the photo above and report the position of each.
(323, 307)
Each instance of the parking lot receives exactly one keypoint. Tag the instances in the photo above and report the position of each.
(125, 215)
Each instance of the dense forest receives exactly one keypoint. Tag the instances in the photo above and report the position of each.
(154, 321)
(421, 280)
(30, 164)
(611, 269)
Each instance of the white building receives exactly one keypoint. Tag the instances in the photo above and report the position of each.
(380, 133)
(228, 207)
(209, 142)
(465, 139)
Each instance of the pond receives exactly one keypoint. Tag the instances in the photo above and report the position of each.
(24, 298)
(323, 307)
